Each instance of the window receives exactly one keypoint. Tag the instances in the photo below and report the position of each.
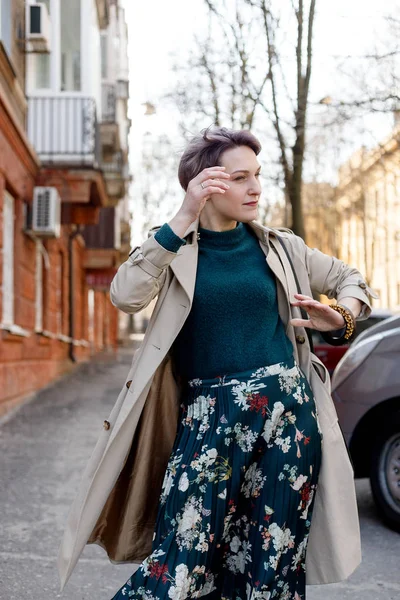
(39, 65)
(398, 294)
(70, 15)
(5, 24)
(8, 260)
(41, 71)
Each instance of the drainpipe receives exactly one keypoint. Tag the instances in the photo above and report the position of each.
(71, 331)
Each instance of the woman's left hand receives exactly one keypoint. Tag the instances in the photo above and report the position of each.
(322, 317)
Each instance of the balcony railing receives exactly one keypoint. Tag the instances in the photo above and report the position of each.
(64, 130)
(114, 166)
(118, 166)
(109, 102)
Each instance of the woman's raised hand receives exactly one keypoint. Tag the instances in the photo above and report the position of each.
(321, 316)
(209, 181)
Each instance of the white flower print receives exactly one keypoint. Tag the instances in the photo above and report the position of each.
(180, 591)
(284, 444)
(237, 562)
(301, 479)
(200, 410)
(289, 379)
(210, 467)
(235, 544)
(300, 555)
(212, 454)
(145, 594)
(253, 482)
(261, 594)
(273, 562)
(223, 382)
(202, 545)
(300, 395)
(189, 523)
(205, 460)
(195, 382)
(169, 476)
(276, 369)
(243, 390)
(281, 538)
(272, 423)
(285, 593)
(183, 483)
(207, 588)
(191, 516)
(245, 438)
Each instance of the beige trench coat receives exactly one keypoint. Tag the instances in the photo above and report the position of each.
(117, 500)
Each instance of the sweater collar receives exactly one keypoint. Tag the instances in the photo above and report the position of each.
(261, 231)
(223, 240)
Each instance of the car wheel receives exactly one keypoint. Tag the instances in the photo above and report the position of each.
(385, 477)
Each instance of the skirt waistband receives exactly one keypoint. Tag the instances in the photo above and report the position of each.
(234, 378)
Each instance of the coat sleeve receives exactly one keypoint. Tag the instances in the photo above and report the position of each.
(331, 276)
(141, 277)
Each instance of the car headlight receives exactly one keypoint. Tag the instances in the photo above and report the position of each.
(353, 358)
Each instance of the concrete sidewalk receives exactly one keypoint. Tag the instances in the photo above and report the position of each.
(44, 448)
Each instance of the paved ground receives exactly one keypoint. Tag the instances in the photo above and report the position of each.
(44, 448)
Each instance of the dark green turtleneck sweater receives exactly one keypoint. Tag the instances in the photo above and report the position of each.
(234, 323)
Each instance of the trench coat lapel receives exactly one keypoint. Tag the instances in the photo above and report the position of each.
(184, 265)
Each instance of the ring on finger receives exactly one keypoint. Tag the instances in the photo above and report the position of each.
(202, 185)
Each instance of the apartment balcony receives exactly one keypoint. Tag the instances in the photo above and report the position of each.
(123, 89)
(110, 138)
(109, 103)
(116, 175)
(102, 243)
(64, 130)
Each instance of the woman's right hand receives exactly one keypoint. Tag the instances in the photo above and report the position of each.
(211, 180)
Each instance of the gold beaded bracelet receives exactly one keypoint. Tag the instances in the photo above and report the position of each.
(349, 320)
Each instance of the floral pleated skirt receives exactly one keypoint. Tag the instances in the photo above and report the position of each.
(238, 493)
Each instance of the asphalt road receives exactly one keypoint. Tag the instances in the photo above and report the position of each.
(44, 448)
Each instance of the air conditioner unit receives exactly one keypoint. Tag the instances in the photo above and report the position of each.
(46, 212)
(37, 28)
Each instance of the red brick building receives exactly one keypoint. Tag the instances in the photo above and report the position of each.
(66, 132)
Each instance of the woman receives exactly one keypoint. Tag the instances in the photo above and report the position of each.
(224, 401)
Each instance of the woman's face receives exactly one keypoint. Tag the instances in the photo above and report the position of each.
(240, 202)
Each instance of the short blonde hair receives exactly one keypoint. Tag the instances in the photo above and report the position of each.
(205, 150)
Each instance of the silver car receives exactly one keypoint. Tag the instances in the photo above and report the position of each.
(366, 392)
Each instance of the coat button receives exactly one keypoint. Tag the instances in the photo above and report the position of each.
(363, 285)
(300, 339)
(128, 383)
(106, 424)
